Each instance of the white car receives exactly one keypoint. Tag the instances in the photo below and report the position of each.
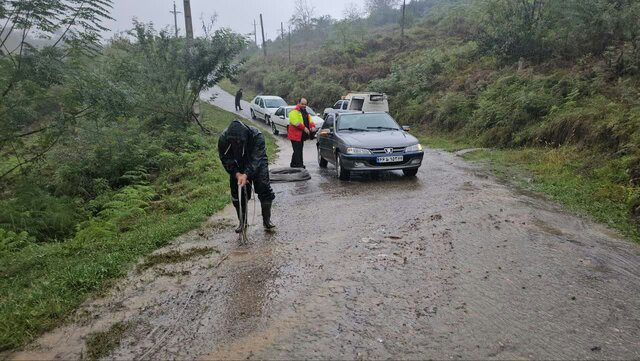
(280, 121)
(263, 107)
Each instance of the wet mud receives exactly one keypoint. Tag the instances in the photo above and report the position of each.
(450, 264)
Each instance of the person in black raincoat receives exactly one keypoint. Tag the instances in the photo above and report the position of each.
(243, 154)
(238, 98)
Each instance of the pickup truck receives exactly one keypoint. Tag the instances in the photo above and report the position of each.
(361, 102)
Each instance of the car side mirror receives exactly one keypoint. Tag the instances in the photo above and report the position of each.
(325, 132)
(282, 117)
(406, 128)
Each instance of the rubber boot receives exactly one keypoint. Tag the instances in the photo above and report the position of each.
(266, 216)
(244, 211)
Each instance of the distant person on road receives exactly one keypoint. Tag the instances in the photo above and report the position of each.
(243, 154)
(300, 128)
(238, 98)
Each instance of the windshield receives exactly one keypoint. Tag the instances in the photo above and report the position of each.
(274, 103)
(370, 121)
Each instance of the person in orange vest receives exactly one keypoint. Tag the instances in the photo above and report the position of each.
(300, 128)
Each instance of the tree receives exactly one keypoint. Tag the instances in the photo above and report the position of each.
(352, 11)
(382, 11)
(514, 29)
(33, 103)
(302, 16)
(380, 5)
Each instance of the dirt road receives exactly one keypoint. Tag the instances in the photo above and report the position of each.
(451, 264)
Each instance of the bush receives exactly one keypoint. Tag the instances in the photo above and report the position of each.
(453, 111)
(46, 217)
(280, 83)
(320, 93)
(11, 241)
(115, 213)
(508, 106)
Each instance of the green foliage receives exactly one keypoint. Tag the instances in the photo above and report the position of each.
(509, 105)
(537, 29)
(280, 83)
(34, 105)
(13, 242)
(319, 92)
(453, 111)
(42, 283)
(100, 161)
(115, 213)
(497, 73)
(34, 210)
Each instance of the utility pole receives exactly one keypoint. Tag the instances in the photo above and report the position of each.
(404, 5)
(255, 32)
(189, 30)
(264, 44)
(175, 17)
(187, 20)
(281, 30)
(289, 44)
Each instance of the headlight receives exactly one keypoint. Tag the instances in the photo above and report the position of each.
(414, 148)
(358, 151)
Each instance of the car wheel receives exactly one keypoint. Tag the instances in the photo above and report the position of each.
(342, 173)
(321, 161)
(253, 115)
(410, 172)
(273, 129)
(267, 120)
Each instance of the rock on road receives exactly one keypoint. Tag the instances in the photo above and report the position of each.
(450, 264)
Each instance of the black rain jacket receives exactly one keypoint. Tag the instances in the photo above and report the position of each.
(242, 149)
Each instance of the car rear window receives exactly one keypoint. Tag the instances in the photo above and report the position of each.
(275, 103)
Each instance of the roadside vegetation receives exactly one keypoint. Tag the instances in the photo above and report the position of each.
(102, 157)
(231, 88)
(554, 85)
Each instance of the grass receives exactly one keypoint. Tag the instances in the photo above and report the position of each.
(101, 344)
(444, 142)
(229, 87)
(43, 283)
(585, 183)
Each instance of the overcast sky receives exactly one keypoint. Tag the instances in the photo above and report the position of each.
(235, 14)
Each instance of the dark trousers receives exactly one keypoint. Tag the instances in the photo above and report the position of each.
(238, 107)
(263, 188)
(296, 158)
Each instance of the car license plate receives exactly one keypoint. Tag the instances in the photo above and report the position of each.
(391, 159)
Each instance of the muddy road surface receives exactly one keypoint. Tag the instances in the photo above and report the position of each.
(450, 264)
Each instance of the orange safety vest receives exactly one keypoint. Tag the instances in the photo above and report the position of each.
(296, 124)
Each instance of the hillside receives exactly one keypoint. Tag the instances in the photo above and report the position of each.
(558, 80)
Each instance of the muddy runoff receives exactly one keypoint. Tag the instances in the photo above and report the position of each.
(450, 264)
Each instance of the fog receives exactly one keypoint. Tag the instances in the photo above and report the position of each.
(237, 15)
